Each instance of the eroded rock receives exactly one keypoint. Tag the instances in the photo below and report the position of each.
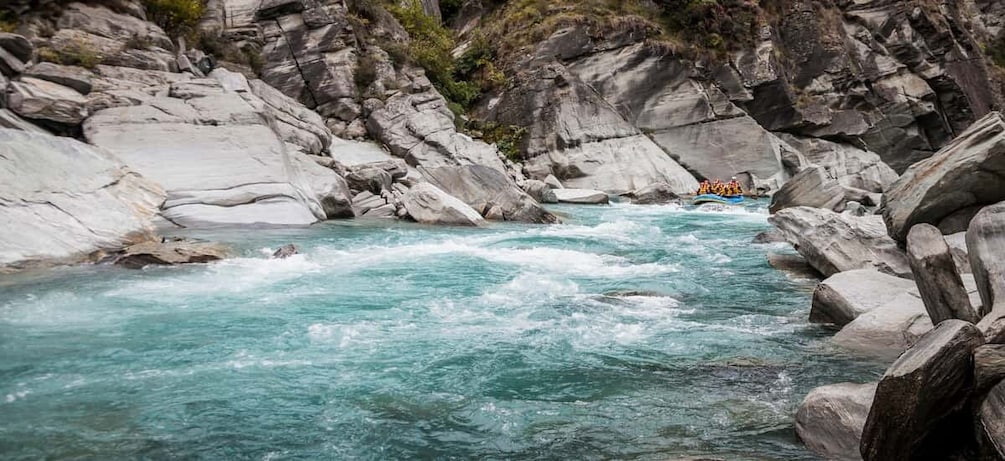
(830, 419)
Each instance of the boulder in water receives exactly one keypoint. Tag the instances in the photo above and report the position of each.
(657, 193)
(428, 204)
(938, 281)
(581, 196)
(888, 329)
(483, 188)
(286, 251)
(539, 191)
(830, 419)
(912, 414)
(832, 242)
(844, 296)
(966, 172)
(812, 187)
(169, 252)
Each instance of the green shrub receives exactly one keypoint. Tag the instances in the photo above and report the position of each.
(507, 138)
(712, 24)
(76, 54)
(996, 51)
(176, 17)
(366, 72)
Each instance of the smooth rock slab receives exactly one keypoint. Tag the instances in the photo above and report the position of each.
(920, 392)
(78, 78)
(830, 419)
(61, 199)
(887, 330)
(484, 188)
(844, 296)
(812, 187)
(938, 280)
(428, 204)
(581, 196)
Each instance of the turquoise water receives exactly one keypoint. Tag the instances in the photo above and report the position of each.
(641, 332)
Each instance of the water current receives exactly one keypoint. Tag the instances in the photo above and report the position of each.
(629, 332)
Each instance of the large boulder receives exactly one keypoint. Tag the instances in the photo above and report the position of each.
(78, 78)
(484, 189)
(169, 253)
(830, 419)
(991, 423)
(658, 193)
(939, 283)
(913, 415)
(968, 171)
(221, 158)
(581, 196)
(851, 166)
(844, 296)
(888, 329)
(832, 242)
(43, 100)
(428, 204)
(989, 366)
(61, 199)
(986, 246)
(812, 187)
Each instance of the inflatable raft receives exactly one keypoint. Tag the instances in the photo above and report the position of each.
(720, 199)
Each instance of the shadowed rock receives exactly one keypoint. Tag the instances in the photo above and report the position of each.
(845, 296)
(830, 419)
(286, 251)
(989, 366)
(657, 193)
(966, 172)
(920, 395)
(811, 187)
(986, 246)
(991, 423)
(935, 273)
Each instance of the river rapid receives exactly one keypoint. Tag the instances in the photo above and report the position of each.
(629, 332)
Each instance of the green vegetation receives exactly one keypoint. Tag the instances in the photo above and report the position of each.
(77, 54)
(996, 51)
(430, 47)
(176, 17)
(719, 25)
(507, 138)
(8, 21)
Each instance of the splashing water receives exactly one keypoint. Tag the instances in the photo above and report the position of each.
(629, 332)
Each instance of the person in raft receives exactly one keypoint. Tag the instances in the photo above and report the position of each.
(719, 188)
(704, 188)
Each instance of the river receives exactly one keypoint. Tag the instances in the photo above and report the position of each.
(640, 332)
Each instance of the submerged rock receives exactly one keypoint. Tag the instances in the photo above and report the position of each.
(658, 193)
(920, 394)
(830, 419)
(169, 252)
(581, 196)
(286, 251)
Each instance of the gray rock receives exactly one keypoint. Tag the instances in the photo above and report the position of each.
(581, 196)
(10, 120)
(811, 187)
(986, 244)
(103, 22)
(938, 280)
(383, 211)
(539, 191)
(483, 187)
(923, 389)
(989, 366)
(845, 296)
(833, 242)
(61, 199)
(328, 191)
(286, 251)
(769, 236)
(553, 182)
(658, 193)
(74, 77)
(793, 266)
(852, 167)
(993, 326)
(887, 330)
(368, 178)
(41, 100)
(9, 65)
(17, 45)
(365, 201)
(830, 419)
(169, 253)
(961, 255)
(965, 173)
(428, 204)
(991, 423)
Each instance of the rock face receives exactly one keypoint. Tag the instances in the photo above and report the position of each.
(224, 157)
(61, 199)
(42, 100)
(989, 366)
(991, 422)
(830, 419)
(938, 281)
(429, 205)
(812, 187)
(169, 253)
(486, 189)
(967, 172)
(888, 329)
(986, 246)
(920, 394)
(844, 296)
(832, 242)
(852, 167)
